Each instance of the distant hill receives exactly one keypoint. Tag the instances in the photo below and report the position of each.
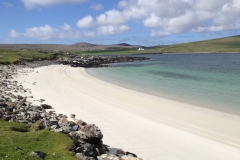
(226, 44)
(74, 47)
(83, 44)
(32, 46)
(123, 44)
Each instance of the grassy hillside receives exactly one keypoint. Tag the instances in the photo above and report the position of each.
(18, 141)
(228, 44)
(124, 51)
(60, 47)
(8, 56)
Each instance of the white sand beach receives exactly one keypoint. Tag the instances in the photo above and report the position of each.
(152, 127)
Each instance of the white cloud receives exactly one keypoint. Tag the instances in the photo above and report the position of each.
(46, 33)
(29, 4)
(89, 34)
(153, 21)
(7, 4)
(173, 16)
(107, 30)
(66, 27)
(111, 17)
(210, 28)
(159, 33)
(86, 22)
(96, 7)
(65, 31)
(109, 23)
(112, 30)
(14, 34)
(209, 5)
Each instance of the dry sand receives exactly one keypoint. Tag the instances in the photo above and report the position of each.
(152, 127)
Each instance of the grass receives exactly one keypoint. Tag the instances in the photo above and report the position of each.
(8, 56)
(123, 51)
(228, 44)
(17, 141)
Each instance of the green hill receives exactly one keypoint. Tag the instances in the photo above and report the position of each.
(228, 44)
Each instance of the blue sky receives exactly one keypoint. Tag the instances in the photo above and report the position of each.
(141, 22)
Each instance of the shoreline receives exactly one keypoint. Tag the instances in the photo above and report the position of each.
(188, 106)
(127, 119)
(207, 107)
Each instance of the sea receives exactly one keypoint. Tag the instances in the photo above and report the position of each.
(204, 80)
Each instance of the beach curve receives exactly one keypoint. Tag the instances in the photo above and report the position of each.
(152, 127)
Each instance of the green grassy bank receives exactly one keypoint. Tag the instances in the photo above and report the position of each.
(8, 56)
(17, 141)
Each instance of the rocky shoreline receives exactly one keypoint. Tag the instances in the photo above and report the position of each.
(15, 106)
(99, 61)
(85, 61)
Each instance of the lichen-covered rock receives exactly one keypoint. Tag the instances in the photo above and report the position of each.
(63, 122)
(92, 132)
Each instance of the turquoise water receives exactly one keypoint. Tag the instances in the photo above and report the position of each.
(206, 80)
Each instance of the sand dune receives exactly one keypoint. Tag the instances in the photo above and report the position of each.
(152, 127)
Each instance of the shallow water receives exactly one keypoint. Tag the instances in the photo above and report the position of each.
(206, 80)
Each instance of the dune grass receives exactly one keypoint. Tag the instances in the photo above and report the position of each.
(17, 141)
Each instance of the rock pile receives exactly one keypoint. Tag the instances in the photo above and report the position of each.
(87, 138)
(99, 61)
(14, 107)
(85, 61)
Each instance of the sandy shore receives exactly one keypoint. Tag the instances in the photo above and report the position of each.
(152, 127)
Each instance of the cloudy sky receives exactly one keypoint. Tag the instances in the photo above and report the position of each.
(143, 22)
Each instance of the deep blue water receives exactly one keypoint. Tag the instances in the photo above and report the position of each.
(207, 80)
